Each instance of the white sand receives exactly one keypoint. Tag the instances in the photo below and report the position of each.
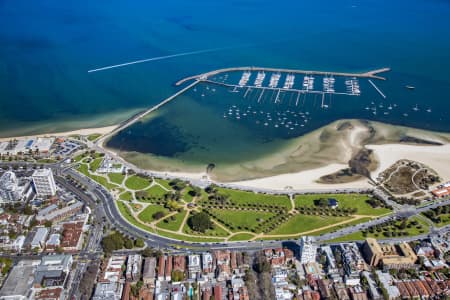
(86, 131)
(304, 180)
(436, 157)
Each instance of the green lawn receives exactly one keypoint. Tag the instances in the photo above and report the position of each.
(146, 214)
(241, 237)
(137, 183)
(83, 168)
(357, 236)
(301, 223)
(241, 197)
(126, 196)
(185, 195)
(156, 191)
(357, 201)
(242, 219)
(95, 164)
(445, 220)
(164, 183)
(93, 137)
(125, 212)
(335, 228)
(199, 239)
(116, 177)
(173, 225)
(216, 231)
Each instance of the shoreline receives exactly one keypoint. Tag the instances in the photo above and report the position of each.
(84, 131)
(276, 172)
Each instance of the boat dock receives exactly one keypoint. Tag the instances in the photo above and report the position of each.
(370, 74)
(377, 89)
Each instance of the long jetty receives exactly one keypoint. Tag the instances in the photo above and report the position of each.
(201, 77)
(139, 116)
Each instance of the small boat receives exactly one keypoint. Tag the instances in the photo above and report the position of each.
(410, 87)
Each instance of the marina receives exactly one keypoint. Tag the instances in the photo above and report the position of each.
(323, 84)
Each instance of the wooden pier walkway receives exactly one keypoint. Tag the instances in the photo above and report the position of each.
(139, 116)
(202, 77)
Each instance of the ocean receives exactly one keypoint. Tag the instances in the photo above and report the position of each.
(47, 48)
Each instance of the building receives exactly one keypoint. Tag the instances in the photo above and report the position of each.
(307, 250)
(134, 264)
(39, 238)
(44, 183)
(148, 275)
(53, 271)
(49, 294)
(390, 256)
(53, 242)
(72, 236)
(9, 188)
(194, 266)
(207, 263)
(56, 215)
(108, 291)
(353, 263)
(386, 282)
(19, 282)
(18, 243)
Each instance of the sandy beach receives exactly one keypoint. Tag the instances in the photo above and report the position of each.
(86, 131)
(309, 157)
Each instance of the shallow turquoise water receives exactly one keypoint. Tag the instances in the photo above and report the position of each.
(46, 48)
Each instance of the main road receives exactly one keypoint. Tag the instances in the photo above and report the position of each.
(111, 213)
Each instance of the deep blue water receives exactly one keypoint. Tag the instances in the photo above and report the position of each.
(46, 48)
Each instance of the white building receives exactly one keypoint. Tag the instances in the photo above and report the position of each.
(44, 183)
(194, 266)
(308, 250)
(18, 243)
(39, 238)
(9, 188)
(134, 264)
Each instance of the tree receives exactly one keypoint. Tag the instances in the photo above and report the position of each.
(48, 223)
(177, 275)
(27, 210)
(158, 215)
(113, 242)
(200, 222)
(261, 264)
(129, 243)
(139, 243)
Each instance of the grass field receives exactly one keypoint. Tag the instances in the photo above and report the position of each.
(95, 164)
(137, 183)
(164, 183)
(357, 201)
(116, 177)
(357, 236)
(301, 223)
(241, 197)
(335, 228)
(185, 195)
(146, 214)
(93, 137)
(241, 237)
(83, 168)
(125, 212)
(216, 231)
(126, 196)
(156, 191)
(242, 219)
(181, 237)
(172, 225)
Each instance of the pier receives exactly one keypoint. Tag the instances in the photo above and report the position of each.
(377, 89)
(370, 74)
(139, 116)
